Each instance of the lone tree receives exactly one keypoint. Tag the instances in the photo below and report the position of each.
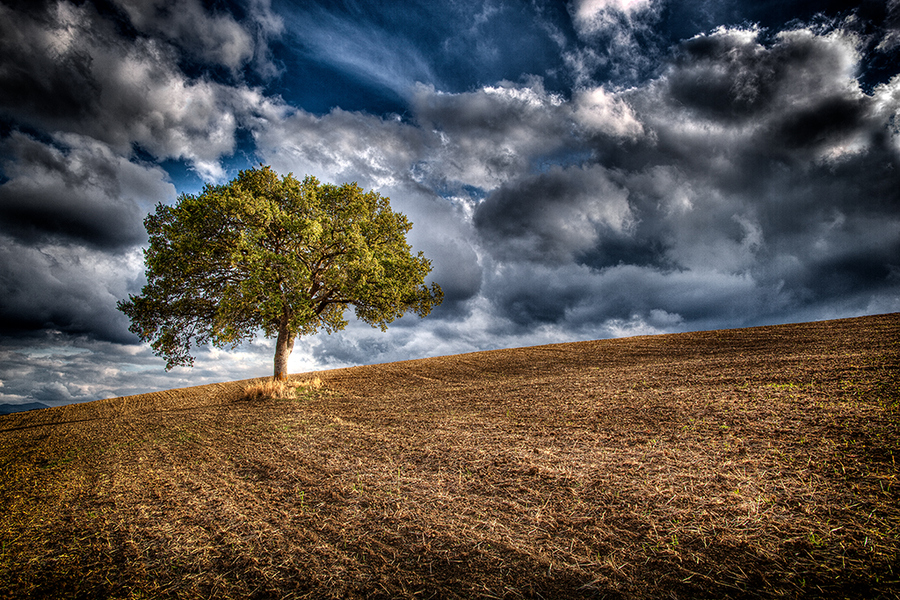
(263, 253)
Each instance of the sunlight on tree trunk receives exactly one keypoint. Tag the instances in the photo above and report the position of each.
(283, 347)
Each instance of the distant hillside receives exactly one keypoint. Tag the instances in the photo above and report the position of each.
(6, 409)
(747, 463)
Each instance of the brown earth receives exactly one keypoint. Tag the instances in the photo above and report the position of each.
(743, 463)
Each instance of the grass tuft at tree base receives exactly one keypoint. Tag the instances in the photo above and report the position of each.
(277, 389)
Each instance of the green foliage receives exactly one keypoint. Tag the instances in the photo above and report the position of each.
(277, 255)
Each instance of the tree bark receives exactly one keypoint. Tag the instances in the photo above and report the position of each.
(283, 346)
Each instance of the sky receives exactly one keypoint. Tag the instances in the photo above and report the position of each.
(574, 170)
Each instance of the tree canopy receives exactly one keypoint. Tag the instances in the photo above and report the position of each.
(276, 255)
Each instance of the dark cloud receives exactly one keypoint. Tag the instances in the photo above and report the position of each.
(494, 133)
(70, 223)
(42, 80)
(63, 287)
(457, 272)
(553, 217)
(763, 180)
(829, 121)
(589, 303)
(723, 77)
(81, 194)
(737, 76)
(49, 76)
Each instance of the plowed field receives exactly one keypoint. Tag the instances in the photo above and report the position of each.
(753, 463)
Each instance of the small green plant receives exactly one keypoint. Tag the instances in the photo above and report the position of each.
(784, 386)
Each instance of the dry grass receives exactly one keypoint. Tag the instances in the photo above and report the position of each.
(757, 463)
(272, 389)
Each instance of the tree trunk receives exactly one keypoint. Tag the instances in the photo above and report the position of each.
(283, 347)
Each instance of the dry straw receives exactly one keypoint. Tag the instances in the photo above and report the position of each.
(276, 389)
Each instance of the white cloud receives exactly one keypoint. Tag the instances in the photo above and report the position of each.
(493, 134)
(613, 36)
(587, 10)
(591, 17)
(341, 146)
(605, 112)
(655, 323)
(480, 138)
(212, 37)
(165, 113)
(887, 106)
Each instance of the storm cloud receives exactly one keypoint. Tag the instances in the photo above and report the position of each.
(598, 169)
(762, 174)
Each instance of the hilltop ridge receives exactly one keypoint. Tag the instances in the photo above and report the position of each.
(519, 360)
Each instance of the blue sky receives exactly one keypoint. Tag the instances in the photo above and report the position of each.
(574, 170)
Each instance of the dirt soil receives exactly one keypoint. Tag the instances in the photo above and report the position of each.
(754, 463)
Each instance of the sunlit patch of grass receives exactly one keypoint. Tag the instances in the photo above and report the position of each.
(783, 386)
(283, 390)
